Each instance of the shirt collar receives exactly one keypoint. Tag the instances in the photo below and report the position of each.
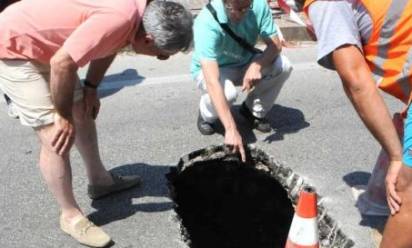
(220, 11)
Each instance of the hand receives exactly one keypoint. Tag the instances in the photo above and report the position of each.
(234, 140)
(252, 76)
(91, 102)
(64, 134)
(394, 201)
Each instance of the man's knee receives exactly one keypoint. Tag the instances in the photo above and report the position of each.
(79, 113)
(46, 136)
(230, 91)
(281, 67)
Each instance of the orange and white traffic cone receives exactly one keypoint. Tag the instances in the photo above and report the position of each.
(303, 232)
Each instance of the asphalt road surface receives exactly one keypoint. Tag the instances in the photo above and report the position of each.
(148, 120)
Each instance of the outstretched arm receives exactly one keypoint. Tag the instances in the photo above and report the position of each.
(210, 71)
(361, 89)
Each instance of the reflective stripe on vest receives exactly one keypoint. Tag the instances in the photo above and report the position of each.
(388, 51)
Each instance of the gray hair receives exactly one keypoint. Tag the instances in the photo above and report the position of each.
(170, 25)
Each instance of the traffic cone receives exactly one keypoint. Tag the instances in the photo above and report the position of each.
(303, 232)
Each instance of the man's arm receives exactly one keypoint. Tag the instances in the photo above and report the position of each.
(98, 68)
(94, 76)
(254, 72)
(272, 50)
(363, 93)
(210, 70)
(62, 80)
(63, 76)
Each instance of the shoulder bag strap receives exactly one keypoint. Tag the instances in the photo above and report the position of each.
(230, 32)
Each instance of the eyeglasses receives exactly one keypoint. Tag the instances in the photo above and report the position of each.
(243, 10)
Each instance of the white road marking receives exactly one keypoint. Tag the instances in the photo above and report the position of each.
(116, 84)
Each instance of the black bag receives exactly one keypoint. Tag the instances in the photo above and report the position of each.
(242, 42)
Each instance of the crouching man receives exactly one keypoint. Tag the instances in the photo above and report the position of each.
(221, 62)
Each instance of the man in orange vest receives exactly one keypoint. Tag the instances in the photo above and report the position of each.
(370, 44)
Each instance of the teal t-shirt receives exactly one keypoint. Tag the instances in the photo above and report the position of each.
(211, 42)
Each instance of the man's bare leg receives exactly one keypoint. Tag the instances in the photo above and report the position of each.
(86, 143)
(398, 229)
(57, 173)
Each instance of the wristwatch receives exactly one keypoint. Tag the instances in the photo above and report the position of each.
(90, 85)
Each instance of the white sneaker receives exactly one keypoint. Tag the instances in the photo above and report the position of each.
(11, 107)
(12, 110)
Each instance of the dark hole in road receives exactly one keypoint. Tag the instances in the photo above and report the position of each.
(229, 204)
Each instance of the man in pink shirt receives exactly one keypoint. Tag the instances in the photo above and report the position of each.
(42, 45)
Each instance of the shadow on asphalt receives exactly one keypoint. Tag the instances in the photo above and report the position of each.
(120, 206)
(377, 223)
(130, 77)
(357, 178)
(244, 128)
(283, 120)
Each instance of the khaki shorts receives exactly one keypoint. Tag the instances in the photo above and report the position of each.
(27, 85)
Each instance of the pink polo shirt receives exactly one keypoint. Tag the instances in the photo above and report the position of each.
(85, 29)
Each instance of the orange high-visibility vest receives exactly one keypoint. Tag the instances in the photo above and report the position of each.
(388, 51)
